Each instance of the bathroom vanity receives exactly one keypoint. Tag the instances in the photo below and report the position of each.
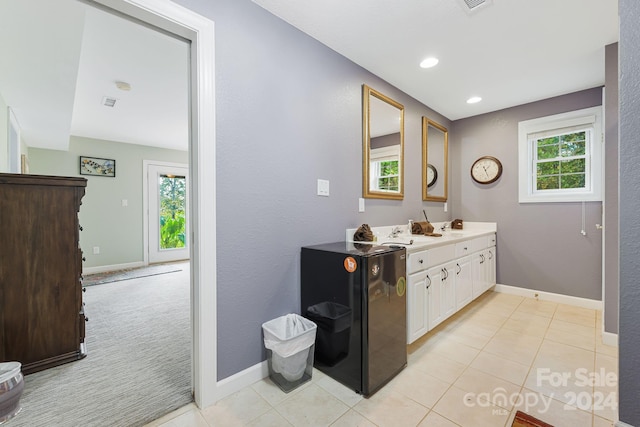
(444, 273)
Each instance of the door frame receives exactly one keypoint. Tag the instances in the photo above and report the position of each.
(199, 30)
(146, 234)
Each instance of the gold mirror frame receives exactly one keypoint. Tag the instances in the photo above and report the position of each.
(435, 152)
(378, 109)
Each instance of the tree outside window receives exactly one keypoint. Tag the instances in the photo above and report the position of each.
(173, 190)
(561, 161)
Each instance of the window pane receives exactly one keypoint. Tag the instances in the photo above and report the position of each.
(574, 137)
(389, 168)
(573, 149)
(572, 166)
(548, 141)
(548, 168)
(172, 211)
(548, 183)
(547, 151)
(572, 181)
(389, 184)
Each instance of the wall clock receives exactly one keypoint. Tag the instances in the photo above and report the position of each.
(486, 170)
(432, 175)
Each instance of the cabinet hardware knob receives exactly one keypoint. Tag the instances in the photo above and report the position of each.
(420, 261)
(459, 268)
(465, 248)
(84, 259)
(81, 228)
(84, 289)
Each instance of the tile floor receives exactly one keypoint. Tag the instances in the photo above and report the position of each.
(499, 354)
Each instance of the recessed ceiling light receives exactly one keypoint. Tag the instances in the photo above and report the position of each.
(123, 86)
(474, 100)
(429, 62)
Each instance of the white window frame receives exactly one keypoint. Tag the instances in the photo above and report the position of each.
(589, 118)
(383, 154)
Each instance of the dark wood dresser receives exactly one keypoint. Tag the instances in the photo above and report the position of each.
(42, 320)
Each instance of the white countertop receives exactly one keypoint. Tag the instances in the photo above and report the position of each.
(415, 242)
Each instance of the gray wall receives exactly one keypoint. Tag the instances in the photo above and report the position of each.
(629, 336)
(117, 230)
(529, 234)
(611, 236)
(288, 111)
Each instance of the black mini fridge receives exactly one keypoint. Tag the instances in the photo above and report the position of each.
(355, 293)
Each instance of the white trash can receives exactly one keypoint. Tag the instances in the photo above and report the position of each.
(290, 343)
(11, 386)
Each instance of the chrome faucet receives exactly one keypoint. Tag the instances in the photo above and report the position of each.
(445, 225)
(395, 232)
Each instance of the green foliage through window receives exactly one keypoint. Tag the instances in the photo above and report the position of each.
(561, 161)
(387, 176)
(173, 192)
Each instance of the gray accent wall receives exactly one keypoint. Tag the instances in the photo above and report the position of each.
(288, 112)
(629, 335)
(539, 245)
(611, 229)
(117, 230)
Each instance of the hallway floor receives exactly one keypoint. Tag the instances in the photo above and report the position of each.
(500, 354)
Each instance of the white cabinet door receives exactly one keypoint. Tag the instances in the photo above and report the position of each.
(479, 273)
(464, 282)
(436, 315)
(417, 306)
(491, 266)
(448, 290)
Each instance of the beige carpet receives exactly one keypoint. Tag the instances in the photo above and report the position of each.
(138, 366)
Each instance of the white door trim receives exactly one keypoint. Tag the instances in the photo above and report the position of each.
(145, 203)
(200, 31)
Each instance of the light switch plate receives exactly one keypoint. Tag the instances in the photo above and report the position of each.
(323, 187)
(360, 204)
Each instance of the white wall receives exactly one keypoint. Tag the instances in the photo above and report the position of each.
(4, 129)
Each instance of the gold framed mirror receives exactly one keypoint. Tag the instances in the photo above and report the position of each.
(435, 161)
(383, 146)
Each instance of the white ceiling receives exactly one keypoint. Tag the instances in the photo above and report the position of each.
(65, 57)
(509, 52)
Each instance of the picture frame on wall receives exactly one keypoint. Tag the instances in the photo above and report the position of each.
(96, 166)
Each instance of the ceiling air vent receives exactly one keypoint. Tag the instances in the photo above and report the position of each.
(108, 101)
(473, 5)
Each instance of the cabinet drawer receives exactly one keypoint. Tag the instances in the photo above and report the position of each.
(440, 255)
(417, 262)
(463, 248)
(479, 243)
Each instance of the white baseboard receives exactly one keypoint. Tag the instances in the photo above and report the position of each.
(621, 424)
(549, 296)
(242, 379)
(609, 338)
(114, 267)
